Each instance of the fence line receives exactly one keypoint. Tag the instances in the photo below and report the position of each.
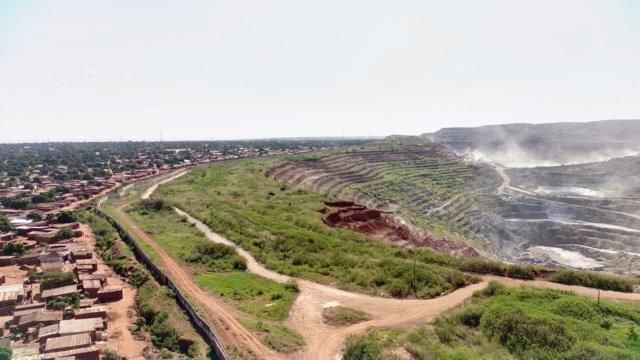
(197, 321)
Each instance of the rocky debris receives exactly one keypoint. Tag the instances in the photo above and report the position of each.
(385, 226)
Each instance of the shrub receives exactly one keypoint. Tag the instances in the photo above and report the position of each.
(398, 288)
(64, 234)
(361, 348)
(56, 279)
(153, 205)
(574, 307)
(5, 225)
(61, 302)
(34, 216)
(109, 354)
(593, 280)
(44, 197)
(13, 249)
(65, 217)
(5, 353)
(470, 315)
(519, 332)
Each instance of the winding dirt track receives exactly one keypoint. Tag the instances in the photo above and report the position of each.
(222, 317)
(323, 341)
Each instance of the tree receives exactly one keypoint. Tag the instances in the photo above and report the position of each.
(45, 197)
(5, 225)
(34, 216)
(13, 249)
(5, 353)
(64, 234)
(65, 217)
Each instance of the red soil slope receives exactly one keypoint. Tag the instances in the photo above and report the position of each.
(383, 226)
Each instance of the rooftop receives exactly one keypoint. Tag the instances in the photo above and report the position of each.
(69, 341)
(65, 290)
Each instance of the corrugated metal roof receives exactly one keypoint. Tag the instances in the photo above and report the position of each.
(44, 316)
(48, 330)
(69, 289)
(91, 284)
(11, 292)
(80, 325)
(69, 353)
(64, 342)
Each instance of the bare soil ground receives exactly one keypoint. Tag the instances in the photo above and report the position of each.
(385, 227)
(120, 314)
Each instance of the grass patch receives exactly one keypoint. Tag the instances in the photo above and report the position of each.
(275, 336)
(250, 293)
(341, 316)
(283, 229)
(517, 323)
(594, 280)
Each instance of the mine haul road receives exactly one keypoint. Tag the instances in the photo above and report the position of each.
(323, 342)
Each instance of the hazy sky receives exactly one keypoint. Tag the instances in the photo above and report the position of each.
(105, 70)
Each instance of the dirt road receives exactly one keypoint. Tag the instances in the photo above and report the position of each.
(220, 315)
(169, 177)
(325, 342)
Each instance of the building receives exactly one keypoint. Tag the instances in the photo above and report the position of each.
(79, 326)
(92, 312)
(85, 353)
(67, 342)
(64, 290)
(109, 294)
(36, 318)
(10, 296)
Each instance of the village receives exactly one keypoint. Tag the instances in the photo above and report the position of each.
(57, 298)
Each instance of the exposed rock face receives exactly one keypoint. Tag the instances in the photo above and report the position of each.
(385, 227)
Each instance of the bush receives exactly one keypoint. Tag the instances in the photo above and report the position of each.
(5, 353)
(153, 205)
(109, 354)
(398, 289)
(64, 234)
(360, 348)
(5, 225)
(162, 333)
(34, 216)
(593, 280)
(13, 249)
(61, 302)
(520, 333)
(470, 315)
(45, 197)
(57, 279)
(65, 217)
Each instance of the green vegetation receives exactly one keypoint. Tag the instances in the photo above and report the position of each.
(221, 271)
(64, 234)
(63, 301)
(285, 232)
(113, 251)
(167, 324)
(19, 202)
(250, 293)
(34, 216)
(172, 331)
(594, 280)
(522, 323)
(55, 279)
(44, 197)
(340, 316)
(13, 249)
(5, 353)
(5, 225)
(65, 217)
(275, 335)
(109, 354)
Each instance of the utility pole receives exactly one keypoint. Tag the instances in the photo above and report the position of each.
(415, 289)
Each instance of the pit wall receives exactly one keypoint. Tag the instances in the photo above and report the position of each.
(198, 322)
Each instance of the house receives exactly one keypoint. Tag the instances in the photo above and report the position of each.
(6, 236)
(84, 353)
(51, 256)
(29, 259)
(60, 291)
(36, 318)
(10, 296)
(91, 287)
(88, 262)
(79, 326)
(68, 342)
(81, 254)
(92, 312)
(43, 236)
(109, 294)
(47, 332)
(52, 266)
(7, 261)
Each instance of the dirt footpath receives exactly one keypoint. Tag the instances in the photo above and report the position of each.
(221, 316)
